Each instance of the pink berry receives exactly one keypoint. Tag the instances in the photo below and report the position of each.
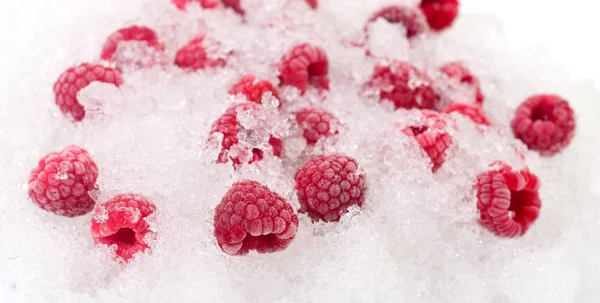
(432, 136)
(440, 13)
(316, 124)
(75, 79)
(121, 222)
(457, 71)
(508, 201)
(181, 4)
(252, 217)
(253, 89)
(327, 185)
(235, 5)
(471, 111)
(132, 33)
(545, 123)
(404, 85)
(194, 56)
(412, 19)
(304, 65)
(61, 182)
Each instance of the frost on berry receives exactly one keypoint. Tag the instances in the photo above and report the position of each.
(461, 74)
(473, 112)
(545, 123)
(254, 89)
(61, 181)
(198, 54)
(252, 217)
(404, 85)
(304, 65)
(133, 33)
(121, 223)
(76, 78)
(181, 4)
(440, 14)
(327, 185)
(316, 124)
(412, 19)
(508, 201)
(431, 134)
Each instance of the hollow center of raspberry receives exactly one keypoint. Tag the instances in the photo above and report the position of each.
(542, 112)
(417, 130)
(263, 243)
(123, 237)
(519, 202)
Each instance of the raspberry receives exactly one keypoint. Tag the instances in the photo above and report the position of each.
(61, 182)
(316, 124)
(404, 85)
(313, 3)
(440, 13)
(412, 19)
(471, 111)
(456, 70)
(229, 126)
(252, 217)
(181, 4)
(194, 56)
(235, 5)
(508, 201)
(545, 123)
(327, 185)
(76, 78)
(132, 33)
(254, 89)
(432, 136)
(121, 221)
(305, 64)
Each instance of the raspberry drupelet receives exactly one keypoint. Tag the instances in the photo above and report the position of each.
(121, 223)
(253, 89)
(132, 33)
(508, 201)
(545, 123)
(431, 134)
(194, 55)
(471, 111)
(458, 71)
(316, 124)
(62, 180)
(328, 184)
(304, 65)
(75, 79)
(412, 19)
(181, 4)
(440, 14)
(252, 217)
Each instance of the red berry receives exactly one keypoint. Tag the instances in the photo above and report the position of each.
(194, 56)
(121, 221)
(545, 123)
(132, 33)
(471, 111)
(316, 124)
(76, 78)
(327, 185)
(181, 4)
(508, 201)
(457, 71)
(440, 13)
(312, 3)
(432, 136)
(412, 19)
(254, 89)
(236, 5)
(404, 85)
(61, 182)
(252, 217)
(304, 65)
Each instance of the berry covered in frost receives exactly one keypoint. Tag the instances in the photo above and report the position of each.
(412, 19)
(229, 126)
(253, 89)
(327, 185)
(316, 124)
(404, 85)
(121, 223)
(75, 79)
(440, 14)
(431, 134)
(194, 56)
(471, 111)
(304, 65)
(457, 71)
(181, 4)
(252, 217)
(508, 201)
(545, 123)
(61, 182)
(132, 33)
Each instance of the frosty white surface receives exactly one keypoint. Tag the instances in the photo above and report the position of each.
(415, 240)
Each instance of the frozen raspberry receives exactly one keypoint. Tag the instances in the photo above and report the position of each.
(304, 65)
(254, 89)
(404, 85)
(508, 201)
(252, 217)
(471, 111)
(132, 33)
(456, 70)
(121, 222)
(229, 127)
(316, 124)
(76, 78)
(412, 19)
(181, 4)
(61, 182)
(235, 5)
(440, 13)
(432, 136)
(313, 3)
(194, 56)
(327, 185)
